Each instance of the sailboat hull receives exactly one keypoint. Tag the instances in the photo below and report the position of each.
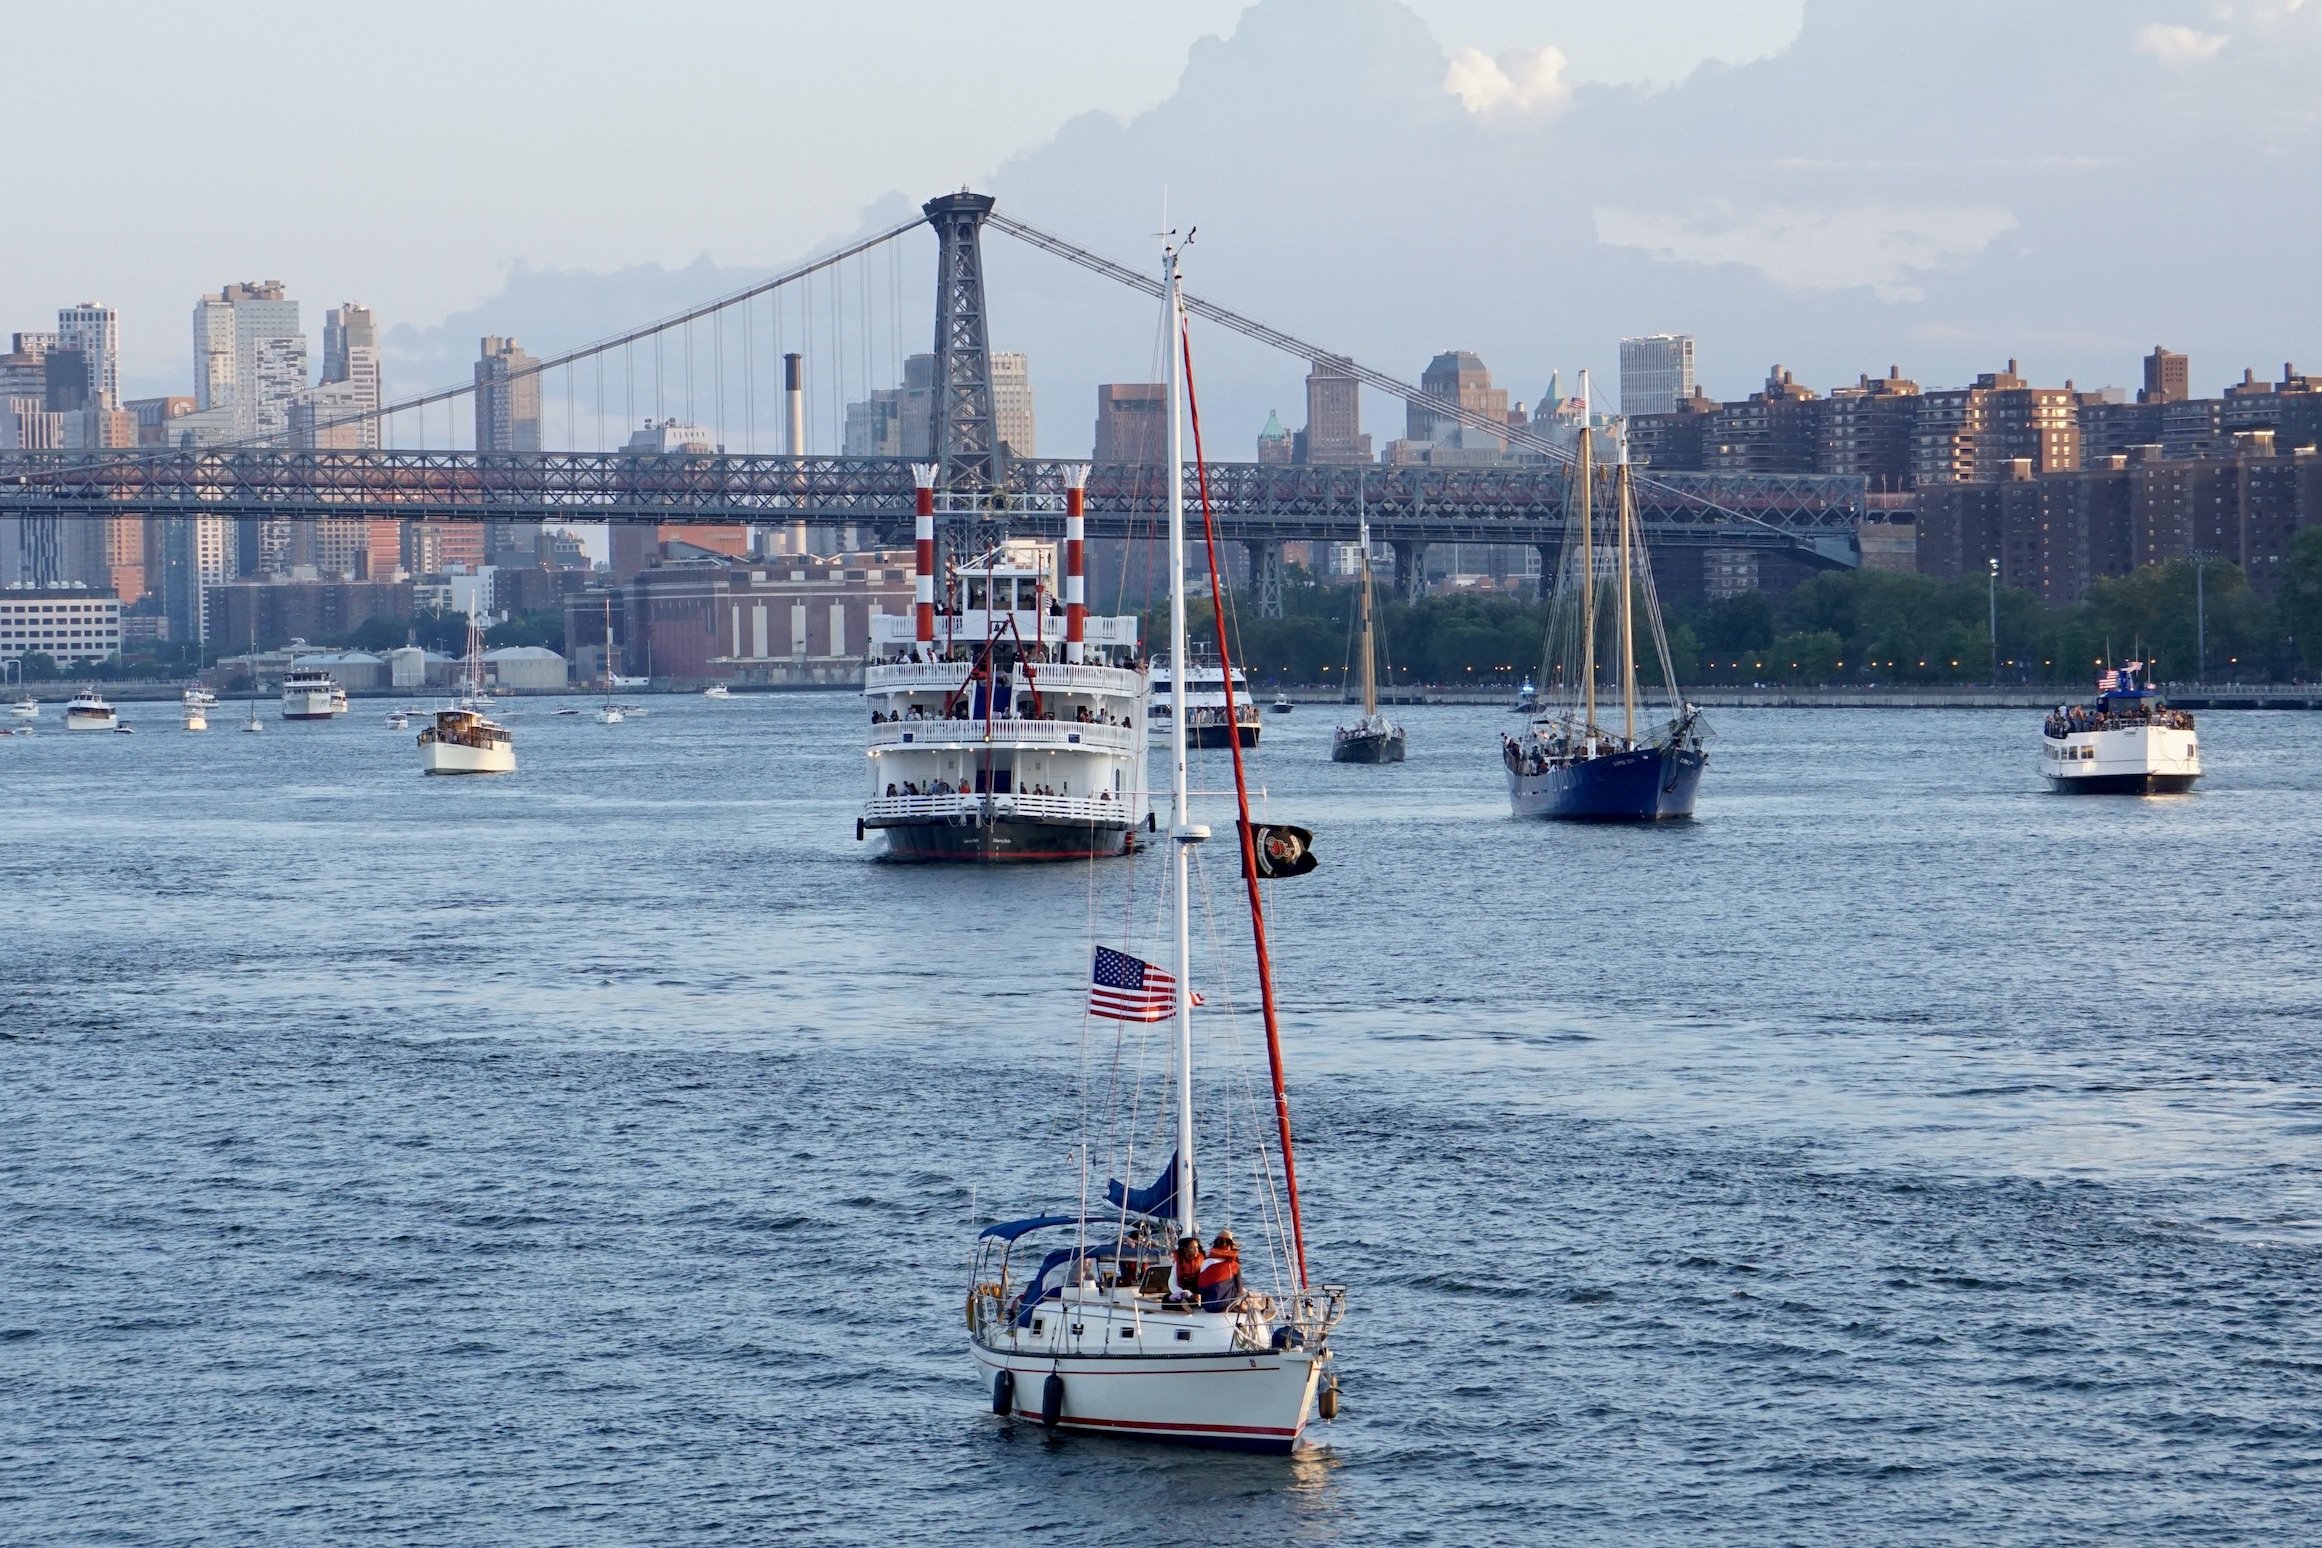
(1244, 1401)
(1368, 747)
(1643, 784)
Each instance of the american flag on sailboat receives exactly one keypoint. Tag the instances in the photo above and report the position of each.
(1127, 988)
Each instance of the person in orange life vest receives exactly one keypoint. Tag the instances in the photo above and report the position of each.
(1189, 1264)
(1221, 1276)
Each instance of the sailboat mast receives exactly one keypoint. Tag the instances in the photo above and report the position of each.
(1628, 617)
(1587, 496)
(1370, 654)
(1181, 811)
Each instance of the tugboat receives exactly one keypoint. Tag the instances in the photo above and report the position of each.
(2127, 743)
(88, 711)
(1206, 717)
(1374, 738)
(1108, 1317)
(462, 740)
(1569, 764)
(999, 729)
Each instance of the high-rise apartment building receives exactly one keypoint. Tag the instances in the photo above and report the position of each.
(351, 364)
(1656, 373)
(1132, 422)
(1334, 428)
(250, 356)
(507, 397)
(1865, 430)
(95, 331)
(1012, 402)
(1773, 430)
(2168, 377)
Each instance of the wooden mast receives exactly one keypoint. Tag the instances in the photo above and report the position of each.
(1370, 655)
(1586, 496)
(1628, 616)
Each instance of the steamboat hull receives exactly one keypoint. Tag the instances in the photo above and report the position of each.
(2121, 784)
(1382, 748)
(1645, 784)
(1253, 1401)
(1005, 840)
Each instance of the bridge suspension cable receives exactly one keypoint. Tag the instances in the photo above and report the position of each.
(1291, 344)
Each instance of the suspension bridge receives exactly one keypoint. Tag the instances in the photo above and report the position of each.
(364, 465)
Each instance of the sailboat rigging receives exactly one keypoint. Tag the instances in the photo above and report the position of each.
(1568, 763)
(1128, 1329)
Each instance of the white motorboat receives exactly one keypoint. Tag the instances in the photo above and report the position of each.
(197, 717)
(567, 710)
(309, 693)
(398, 720)
(88, 711)
(609, 715)
(717, 691)
(26, 708)
(1206, 718)
(1002, 729)
(1119, 1324)
(198, 697)
(463, 739)
(2127, 743)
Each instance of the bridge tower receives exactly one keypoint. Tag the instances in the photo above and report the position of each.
(968, 454)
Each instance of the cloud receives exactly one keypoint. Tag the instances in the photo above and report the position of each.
(1871, 246)
(1523, 80)
(2174, 44)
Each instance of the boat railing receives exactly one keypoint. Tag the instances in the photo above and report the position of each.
(1028, 733)
(950, 676)
(960, 806)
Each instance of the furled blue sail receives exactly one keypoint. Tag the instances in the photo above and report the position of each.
(1157, 1199)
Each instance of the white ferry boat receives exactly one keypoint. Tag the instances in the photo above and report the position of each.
(89, 712)
(2126, 743)
(1004, 728)
(1205, 703)
(309, 693)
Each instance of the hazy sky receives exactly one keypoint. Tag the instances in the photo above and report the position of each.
(1834, 185)
(406, 155)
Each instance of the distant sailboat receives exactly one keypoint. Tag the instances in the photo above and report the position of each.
(1570, 763)
(609, 713)
(1374, 738)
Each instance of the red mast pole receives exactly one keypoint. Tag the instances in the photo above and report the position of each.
(1249, 840)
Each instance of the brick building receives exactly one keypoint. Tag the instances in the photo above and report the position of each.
(702, 616)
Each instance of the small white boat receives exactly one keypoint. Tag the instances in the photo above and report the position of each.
(398, 720)
(568, 710)
(89, 712)
(124, 730)
(463, 740)
(717, 691)
(26, 708)
(198, 697)
(253, 724)
(197, 717)
(610, 715)
(1282, 704)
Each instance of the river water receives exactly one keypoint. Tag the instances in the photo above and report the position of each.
(1897, 1153)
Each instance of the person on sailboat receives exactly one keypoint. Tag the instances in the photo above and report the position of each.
(1189, 1262)
(1221, 1276)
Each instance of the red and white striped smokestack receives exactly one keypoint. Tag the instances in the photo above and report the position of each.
(1075, 563)
(923, 474)
(794, 403)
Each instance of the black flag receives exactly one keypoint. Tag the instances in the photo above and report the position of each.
(1283, 850)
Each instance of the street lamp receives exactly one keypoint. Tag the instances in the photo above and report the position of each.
(1994, 615)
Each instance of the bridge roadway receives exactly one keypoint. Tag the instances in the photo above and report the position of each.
(1813, 517)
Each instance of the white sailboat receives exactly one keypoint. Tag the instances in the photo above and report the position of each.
(1103, 1334)
(608, 713)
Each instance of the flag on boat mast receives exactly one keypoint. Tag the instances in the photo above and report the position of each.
(1126, 988)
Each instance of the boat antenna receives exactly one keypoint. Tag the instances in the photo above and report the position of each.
(1248, 834)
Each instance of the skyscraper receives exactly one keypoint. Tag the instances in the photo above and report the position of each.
(95, 331)
(1132, 423)
(1012, 402)
(2168, 377)
(1334, 418)
(1455, 376)
(249, 356)
(1656, 373)
(351, 357)
(507, 397)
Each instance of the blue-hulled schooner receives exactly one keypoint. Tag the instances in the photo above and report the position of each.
(1576, 759)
